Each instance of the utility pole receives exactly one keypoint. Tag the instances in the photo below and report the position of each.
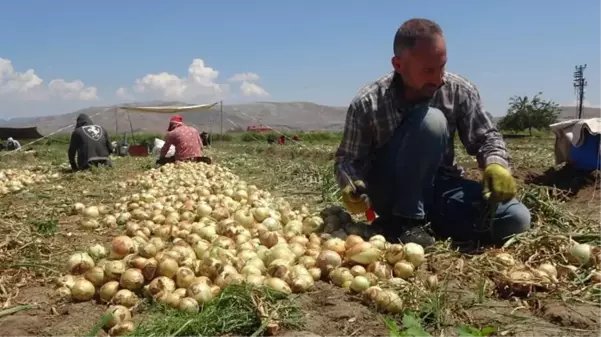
(579, 85)
(221, 108)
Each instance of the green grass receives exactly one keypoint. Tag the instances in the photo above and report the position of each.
(239, 309)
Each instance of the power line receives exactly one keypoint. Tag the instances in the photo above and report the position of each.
(579, 85)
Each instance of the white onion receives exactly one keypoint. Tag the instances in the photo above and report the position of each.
(580, 254)
(359, 284)
(79, 263)
(414, 253)
(108, 291)
(363, 253)
(82, 290)
(132, 279)
(403, 269)
(119, 314)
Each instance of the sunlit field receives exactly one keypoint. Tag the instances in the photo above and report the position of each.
(257, 244)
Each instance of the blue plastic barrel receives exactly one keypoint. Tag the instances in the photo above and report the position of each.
(586, 156)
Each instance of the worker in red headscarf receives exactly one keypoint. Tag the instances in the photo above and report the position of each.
(187, 143)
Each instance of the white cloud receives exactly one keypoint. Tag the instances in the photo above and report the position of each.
(200, 84)
(251, 89)
(248, 77)
(123, 93)
(29, 86)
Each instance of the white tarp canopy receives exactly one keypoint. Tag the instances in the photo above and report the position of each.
(167, 109)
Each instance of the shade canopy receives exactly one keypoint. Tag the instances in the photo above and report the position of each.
(167, 109)
(20, 133)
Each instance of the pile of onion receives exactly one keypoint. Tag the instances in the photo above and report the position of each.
(193, 228)
(14, 180)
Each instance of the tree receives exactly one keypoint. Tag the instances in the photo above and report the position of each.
(525, 113)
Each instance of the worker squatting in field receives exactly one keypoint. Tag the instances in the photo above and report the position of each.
(397, 148)
(91, 144)
(187, 143)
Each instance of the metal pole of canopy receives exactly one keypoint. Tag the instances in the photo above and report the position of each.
(221, 108)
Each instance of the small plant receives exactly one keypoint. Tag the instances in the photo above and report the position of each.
(412, 327)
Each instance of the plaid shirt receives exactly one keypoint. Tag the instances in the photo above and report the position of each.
(378, 110)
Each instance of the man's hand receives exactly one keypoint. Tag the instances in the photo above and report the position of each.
(352, 199)
(499, 185)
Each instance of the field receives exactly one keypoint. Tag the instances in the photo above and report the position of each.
(38, 233)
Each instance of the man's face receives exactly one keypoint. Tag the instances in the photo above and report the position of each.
(422, 67)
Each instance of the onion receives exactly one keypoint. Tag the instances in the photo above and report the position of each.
(307, 261)
(432, 282)
(328, 260)
(147, 250)
(580, 254)
(414, 253)
(380, 269)
(184, 277)
(77, 208)
(278, 285)
(95, 275)
(125, 298)
(549, 270)
(335, 244)
(378, 241)
(505, 259)
(340, 275)
(132, 279)
(114, 269)
(403, 269)
(358, 270)
(97, 252)
(91, 212)
(315, 273)
(79, 263)
(167, 267)
(82, 290)
(201, 292)
(351, 240)
(122, 246)
(389, 301)
(301, 283)
(359, 284)
(188, 304)
(122, 329)
(256, 280)
(63, 293)
(108, 291)
(119, 314)
(149, 269)
(161, 284)
(520, 276)
(363, 253)
(394, 253)
(370, 294)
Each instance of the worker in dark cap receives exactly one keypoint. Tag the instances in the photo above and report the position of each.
(187, 143)
(91, 144)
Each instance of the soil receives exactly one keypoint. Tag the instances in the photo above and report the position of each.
(329, 310)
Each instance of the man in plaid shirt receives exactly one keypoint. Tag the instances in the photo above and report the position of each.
(398, 149)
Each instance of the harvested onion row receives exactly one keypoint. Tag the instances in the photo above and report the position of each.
(195, 228)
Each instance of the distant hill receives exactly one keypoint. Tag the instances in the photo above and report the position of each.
(283, 116)
(279, 115)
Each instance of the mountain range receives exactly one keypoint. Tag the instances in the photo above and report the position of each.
(282, 116)
(278, 115)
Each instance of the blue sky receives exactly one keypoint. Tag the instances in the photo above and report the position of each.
(320, 51)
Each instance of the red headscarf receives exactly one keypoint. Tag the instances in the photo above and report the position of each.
(174, 122)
